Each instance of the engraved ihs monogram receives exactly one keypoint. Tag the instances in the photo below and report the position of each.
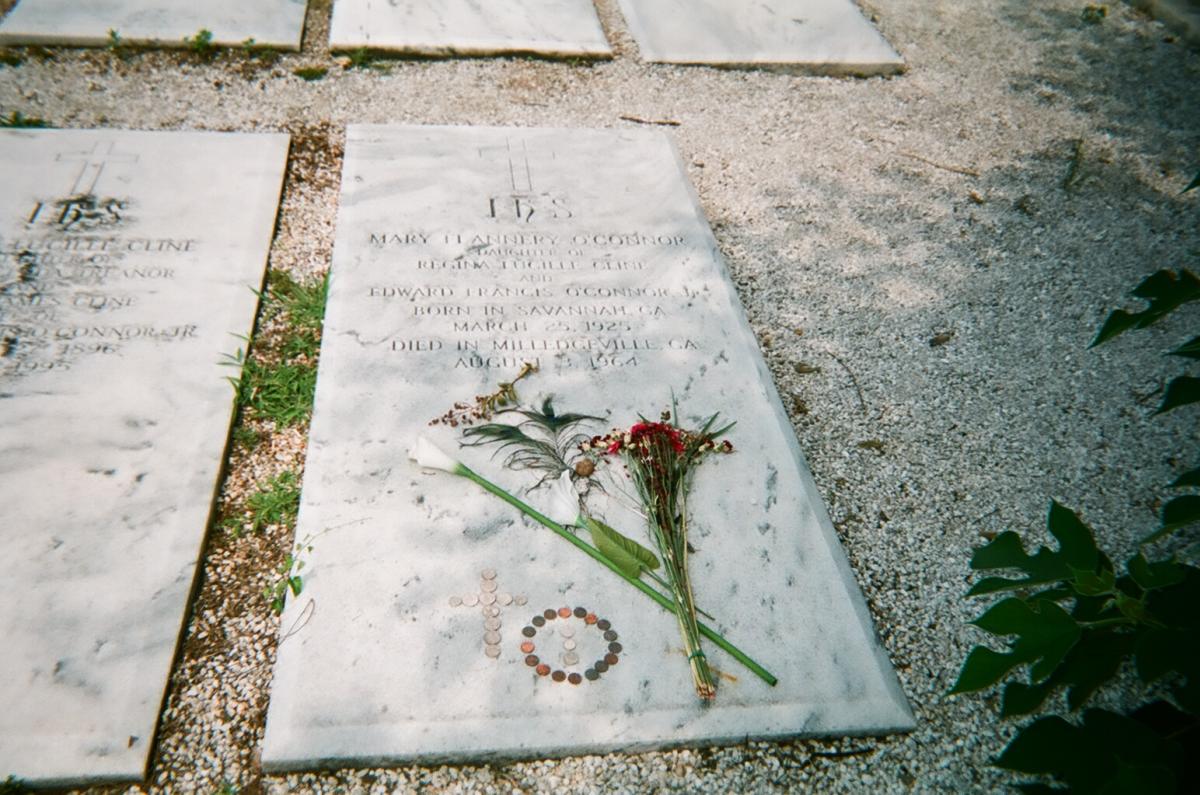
(83, 209)
(522, 201)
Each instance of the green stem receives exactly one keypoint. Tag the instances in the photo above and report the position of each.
(664, 602)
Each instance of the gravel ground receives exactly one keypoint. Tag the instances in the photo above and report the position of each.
(924, 259)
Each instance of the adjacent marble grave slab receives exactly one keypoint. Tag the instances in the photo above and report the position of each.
(126, 262)
(86, 23)
(818, 36)
(462, 253)
(563, 28)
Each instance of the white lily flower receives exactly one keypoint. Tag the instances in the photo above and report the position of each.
(564, 501)
(429, 456)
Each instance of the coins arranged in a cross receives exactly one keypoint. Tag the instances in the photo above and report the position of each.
(489, 599)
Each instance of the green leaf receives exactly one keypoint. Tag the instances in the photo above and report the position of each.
(1191, 478)
(1158, 574)
(983, 668)
(1189, 349)
(297, 585)
(1182, 391)
(1179, 512)
(629, 556)
(1089, 583)
(1165, 291)
(1108, 753)
(1022, 699)
(1077, 550)
(1044, 634)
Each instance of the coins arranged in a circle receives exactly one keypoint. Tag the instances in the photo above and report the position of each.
(562, 620)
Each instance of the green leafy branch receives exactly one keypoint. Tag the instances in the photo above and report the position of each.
(1072, 619)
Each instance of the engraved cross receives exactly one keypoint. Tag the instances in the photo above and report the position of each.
(103, 153)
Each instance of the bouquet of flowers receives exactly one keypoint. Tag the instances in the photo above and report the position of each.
(661, 458)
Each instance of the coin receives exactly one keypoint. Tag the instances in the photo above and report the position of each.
(543, 670)
(558, 676)
(571, 658)
(491, 651)
(549, 614)
(487, 598)
(591, 675)
(610, 635)
(471, 600)
(603, 624)
(491, 611)
(504, 598)
(567, 631)
(531, 660)
(529, 632)
(456, 601)
(574, 679)
(590, 618)
(488, 574)
(600, 666)
(564, 612)
(527, 647)
(615, 647)
(520, 600)
(569, 645)
(580, 612)
(492, 624)
(611, 659)
(539, 621)
(489, 586)
(491, 638)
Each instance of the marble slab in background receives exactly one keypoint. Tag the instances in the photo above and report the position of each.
(562, 28)
(165, 23)
(126, 266)
(817, 36)
(460, 254)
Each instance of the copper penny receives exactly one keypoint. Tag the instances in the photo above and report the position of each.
(600, 666)
(615, 647)
(580, 612)
(549, 614)
(590, 618)
(539, 621)
(591, 674)
(558, 676)
(531, 660)
(543, 670)
(603, 624)
(611, 659)
(564, 612)
(527, 647)
(610, 635)
(529, 632)
(574, 679)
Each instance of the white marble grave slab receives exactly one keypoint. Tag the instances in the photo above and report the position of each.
(462, 253)
(126, 265)
(561, 28)
(165, 23)
(816, 36)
